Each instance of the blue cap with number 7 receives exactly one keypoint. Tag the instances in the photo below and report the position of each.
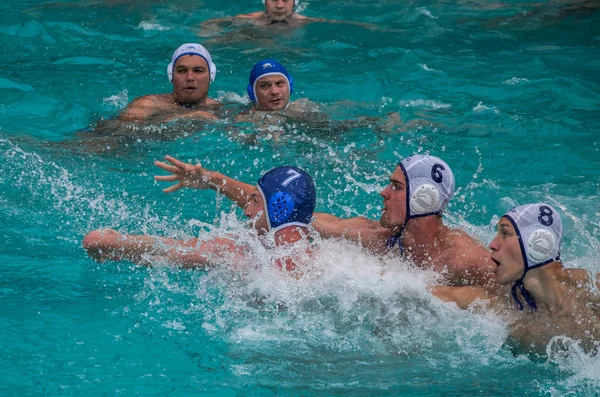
(429, 185)
(289, 196)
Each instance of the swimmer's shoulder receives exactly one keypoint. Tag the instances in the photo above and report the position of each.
(304, 105)
(252, 15)
(154, 100)
(212, 102)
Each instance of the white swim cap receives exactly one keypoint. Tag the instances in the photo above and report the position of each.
(430, 185)
(192, 49)
(539, 228)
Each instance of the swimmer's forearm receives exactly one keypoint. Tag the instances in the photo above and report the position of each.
(236, 191)
(462, 296)
(366, 232)
(139, 249)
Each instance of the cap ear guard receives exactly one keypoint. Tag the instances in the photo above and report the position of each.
(424, 199)
(250, 92)
(540, 245)
(429, 184)
(539, 228)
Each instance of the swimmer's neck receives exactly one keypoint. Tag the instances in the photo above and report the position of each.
(543, 283)
(190, 105)
(258, 108)
(268, 20)
(290, 235)
(423, 237)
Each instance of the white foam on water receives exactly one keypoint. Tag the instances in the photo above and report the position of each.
(481, 108)
(424, 103)
(152, 25)
(514, 81)
(426, 12)
(582, 370)
(224, 96)
(428, 69)
(117, 101)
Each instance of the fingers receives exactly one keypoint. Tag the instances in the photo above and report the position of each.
(166, 178)
(175, 162)
(166, 167)
(173, 188)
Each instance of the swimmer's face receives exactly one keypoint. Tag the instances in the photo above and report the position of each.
(191, 79)
(506, 253)
(394, 201)
(255, 210)
(279, 10)
(272, 92)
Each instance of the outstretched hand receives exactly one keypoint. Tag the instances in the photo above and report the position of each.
(185, 174)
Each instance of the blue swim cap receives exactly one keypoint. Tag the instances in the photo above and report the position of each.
(289, 196)
(263, 68)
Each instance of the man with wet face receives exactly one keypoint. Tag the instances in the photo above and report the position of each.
(552, 300)
(191, 72)
(411, 224)
(269, 89)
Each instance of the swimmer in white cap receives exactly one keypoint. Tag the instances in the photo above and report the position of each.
(283, 201)
(191, 72)
(526, 251)
(411, 224)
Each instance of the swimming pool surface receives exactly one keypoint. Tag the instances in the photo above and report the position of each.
(508, 94)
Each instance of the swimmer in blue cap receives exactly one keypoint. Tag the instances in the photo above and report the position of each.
(270, 85)
(191, 71)
(526, 251)
(411, 224)
(283, 202)
(269, 88)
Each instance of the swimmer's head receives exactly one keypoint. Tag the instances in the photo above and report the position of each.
(192, 49)
(420, 186)
(270, 85)
(279, 10)
(289, 197)
(537, 233)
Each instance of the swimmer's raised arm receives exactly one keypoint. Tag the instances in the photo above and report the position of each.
(369, 233)
(197, 177)
(107, 244)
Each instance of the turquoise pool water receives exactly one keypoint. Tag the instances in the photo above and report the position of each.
(508, 94)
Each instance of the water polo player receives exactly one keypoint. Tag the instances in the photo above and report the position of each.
(191, 71)
(411, 224)
(283, 201)
(526, 251)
